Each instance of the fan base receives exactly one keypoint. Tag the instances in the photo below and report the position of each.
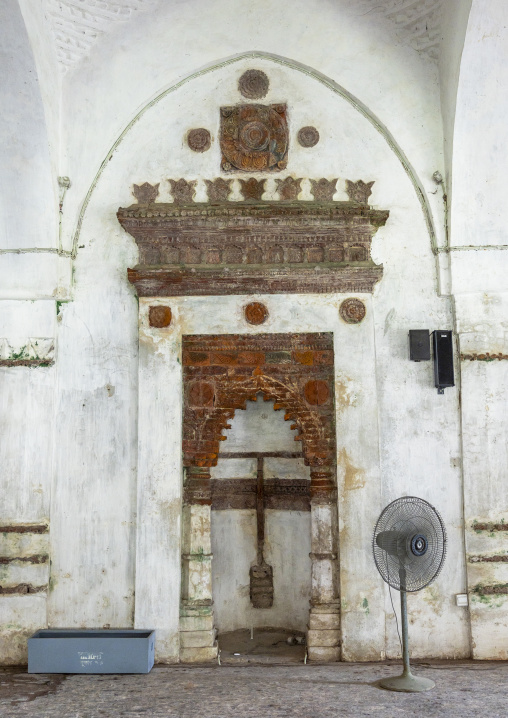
(407, 683)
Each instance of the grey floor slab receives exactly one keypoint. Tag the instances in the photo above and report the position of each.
(465, 689)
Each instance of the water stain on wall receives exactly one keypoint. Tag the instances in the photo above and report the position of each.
(354, 477)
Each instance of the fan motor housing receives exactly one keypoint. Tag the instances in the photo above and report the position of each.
(419, 545)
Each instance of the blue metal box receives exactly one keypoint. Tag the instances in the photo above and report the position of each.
(67, 650)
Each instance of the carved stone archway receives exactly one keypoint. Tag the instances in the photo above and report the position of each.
(221, 373)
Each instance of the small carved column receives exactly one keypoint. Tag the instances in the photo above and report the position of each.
(197, 632)
(323, 634)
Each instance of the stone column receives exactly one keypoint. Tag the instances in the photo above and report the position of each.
(323, 633)
(197, 632)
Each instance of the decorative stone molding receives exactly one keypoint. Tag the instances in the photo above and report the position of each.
(252, 189)
(240, 248)
(289, 189)
(359, 191)
(218, 190)
(323, 189)
(182, 190)
(146, 193)
(280, 494)
(483, 357)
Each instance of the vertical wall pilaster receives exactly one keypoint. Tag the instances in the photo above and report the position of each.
(323, 634)
(197, 631)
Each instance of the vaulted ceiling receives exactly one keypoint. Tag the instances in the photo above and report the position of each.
(77, 25)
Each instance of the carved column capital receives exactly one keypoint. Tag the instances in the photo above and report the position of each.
(197, 488)
(323, 488)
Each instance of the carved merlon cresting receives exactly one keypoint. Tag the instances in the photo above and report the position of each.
(201, 249)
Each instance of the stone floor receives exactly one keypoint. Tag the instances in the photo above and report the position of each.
(463, 690)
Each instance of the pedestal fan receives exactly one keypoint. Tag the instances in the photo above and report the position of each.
(409, 546)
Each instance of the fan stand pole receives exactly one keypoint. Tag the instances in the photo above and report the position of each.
(406, 682)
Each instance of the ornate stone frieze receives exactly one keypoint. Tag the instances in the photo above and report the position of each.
(254, 138)
(240, 248)
(218, 190)
(252, 189)
(279, 494)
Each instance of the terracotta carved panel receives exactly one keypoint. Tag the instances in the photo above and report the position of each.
(254, 138)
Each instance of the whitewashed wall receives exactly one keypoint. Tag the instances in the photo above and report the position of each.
(98, 480)
(479, 268)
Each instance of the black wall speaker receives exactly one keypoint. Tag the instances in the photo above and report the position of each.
(419, 344)
(442, 342)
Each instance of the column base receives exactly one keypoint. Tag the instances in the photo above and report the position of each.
(197, 633)
(201, 654)
(323, 654)
(323, 633)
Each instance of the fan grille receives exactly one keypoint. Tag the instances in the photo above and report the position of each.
(401, 568)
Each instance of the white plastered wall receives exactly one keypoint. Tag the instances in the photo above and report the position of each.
(417, 442)
(479, 271)
(395, 435)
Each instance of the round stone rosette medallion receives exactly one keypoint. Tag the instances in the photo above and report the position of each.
(308, 136)
(159, 316)
(352, 311)
(256, 313)
(253, 84)
(199, 140)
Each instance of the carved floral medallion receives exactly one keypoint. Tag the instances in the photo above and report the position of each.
(254, 138)
(352, 310)
(256, 313)
(253, 84)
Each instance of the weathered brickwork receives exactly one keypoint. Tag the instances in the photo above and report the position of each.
(238, 368)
